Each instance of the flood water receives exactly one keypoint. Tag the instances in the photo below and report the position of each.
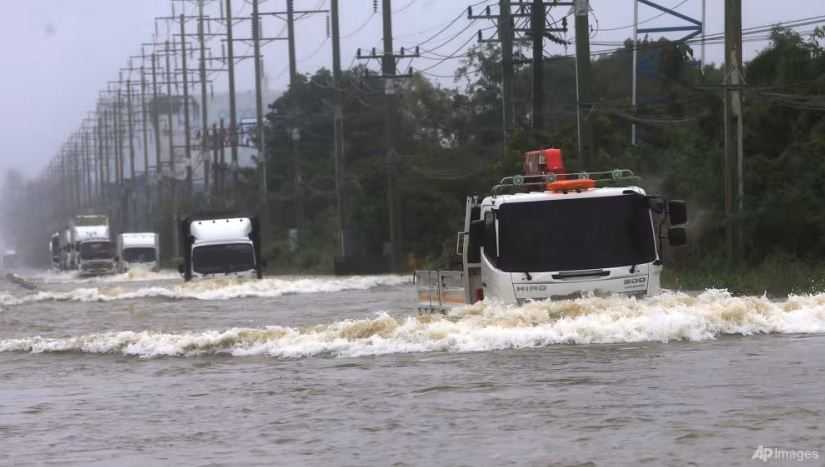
(144, 370)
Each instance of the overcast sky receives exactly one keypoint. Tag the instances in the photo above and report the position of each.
(59, 53)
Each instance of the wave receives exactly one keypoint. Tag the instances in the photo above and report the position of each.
(482, 327)
(211, 289)
(135, 274)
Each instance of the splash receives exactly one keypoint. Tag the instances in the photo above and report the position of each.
(482, 327)
(211, 289)
(135, 274)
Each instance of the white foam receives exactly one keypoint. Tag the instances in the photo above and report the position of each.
(482, 327)
(212, 289)
(135, 274)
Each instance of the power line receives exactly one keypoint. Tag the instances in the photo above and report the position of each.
(645, 21)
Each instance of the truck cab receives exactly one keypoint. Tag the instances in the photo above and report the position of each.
(138, 249)
(93, 252)
(95, 256)
(554, 235)
(221, 246)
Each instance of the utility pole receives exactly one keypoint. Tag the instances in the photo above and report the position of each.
(214, 141)
(704, 33)
(582, 12)
(537, 25)
(75, 155)
(204, 109)
(388, 68)
(99, 131)
(233, 111)
(505, 28)
(222, 147)
(734, 115)
(107, 140)
(187, 128)
(290, 22)
(156, 117)
(129, 190)
(130, 130)
(173, 181)
(145, 126)
(536, 33)
(338, 130)
(169, 116)
(389, 75)
(294, 130)
(87, 171)
(259, 113)
(118, 116)
(635, 76)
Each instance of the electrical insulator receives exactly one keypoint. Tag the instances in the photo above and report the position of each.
(375, 6)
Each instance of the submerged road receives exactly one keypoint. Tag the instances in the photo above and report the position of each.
(144, 370)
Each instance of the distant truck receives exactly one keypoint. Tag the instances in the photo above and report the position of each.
(55, 250)
(220, 246)
(554, 235)
(92, 251)
(9, 259)
(138, 249)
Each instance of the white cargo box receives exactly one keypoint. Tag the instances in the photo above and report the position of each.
(221, 230)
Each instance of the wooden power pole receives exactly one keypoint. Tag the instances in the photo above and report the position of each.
(733, 156)
(583, 80)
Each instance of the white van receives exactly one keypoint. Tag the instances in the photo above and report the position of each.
(218, 245)
(138, 249)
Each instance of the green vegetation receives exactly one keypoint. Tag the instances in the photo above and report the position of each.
(450, 145)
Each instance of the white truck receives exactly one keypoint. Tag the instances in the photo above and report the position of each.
(552, 235)
(220, 246)
(55, 250)
(138, 249)
(92, 250)
(9, 260)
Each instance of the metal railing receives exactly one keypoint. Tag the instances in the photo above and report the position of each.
(528, 183)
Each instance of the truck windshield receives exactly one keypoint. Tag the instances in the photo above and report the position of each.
(85, 221)
(96, 250)
(575, 234)
(139, 255)
(221, 259)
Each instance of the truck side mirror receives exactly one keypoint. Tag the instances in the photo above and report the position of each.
(677, 211)
(677, 236)
(656, 204)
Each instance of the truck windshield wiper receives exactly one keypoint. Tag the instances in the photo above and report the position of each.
(528, 276)
(577, 274)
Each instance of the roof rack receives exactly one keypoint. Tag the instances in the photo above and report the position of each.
(528, 183)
